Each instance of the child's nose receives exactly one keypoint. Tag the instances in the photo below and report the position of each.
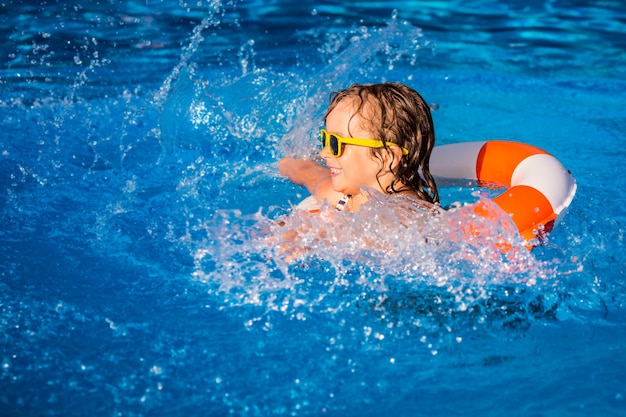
(325, 153)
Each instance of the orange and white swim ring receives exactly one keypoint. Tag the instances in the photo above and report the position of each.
(539, 188)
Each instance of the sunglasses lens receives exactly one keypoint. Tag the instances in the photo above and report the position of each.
(334, 145)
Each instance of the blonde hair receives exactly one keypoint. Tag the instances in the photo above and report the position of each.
(393, 112)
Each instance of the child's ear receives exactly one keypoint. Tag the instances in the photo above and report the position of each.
(393, 156)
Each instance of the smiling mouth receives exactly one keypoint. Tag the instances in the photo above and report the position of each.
(335, 171)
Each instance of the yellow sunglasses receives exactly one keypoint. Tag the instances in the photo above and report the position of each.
(336, 142)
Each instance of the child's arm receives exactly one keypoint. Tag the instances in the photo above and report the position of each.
(314, 177)
(303, 172)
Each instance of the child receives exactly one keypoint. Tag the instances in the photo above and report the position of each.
(377, 136)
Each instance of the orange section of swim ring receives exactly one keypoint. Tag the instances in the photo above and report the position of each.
(527, 207)
(498, 159)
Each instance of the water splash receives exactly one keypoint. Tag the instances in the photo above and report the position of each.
(212, 20)
(413, 270)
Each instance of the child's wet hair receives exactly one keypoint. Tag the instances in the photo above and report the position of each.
(393, 112)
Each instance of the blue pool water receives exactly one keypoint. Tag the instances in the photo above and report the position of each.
(140, 273)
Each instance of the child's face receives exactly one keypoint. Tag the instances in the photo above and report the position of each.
(356, 167)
